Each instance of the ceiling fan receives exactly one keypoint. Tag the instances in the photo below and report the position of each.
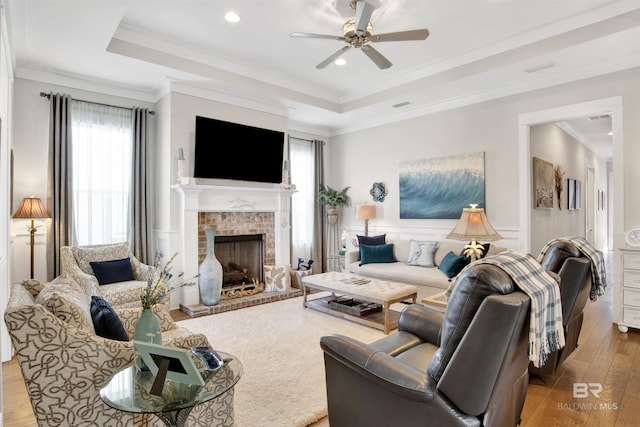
(357, 33)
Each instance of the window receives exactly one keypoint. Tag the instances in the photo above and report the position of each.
(102, 147)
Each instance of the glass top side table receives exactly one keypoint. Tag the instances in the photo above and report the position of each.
(129, 390)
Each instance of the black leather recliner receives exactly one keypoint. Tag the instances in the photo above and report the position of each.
(466, 367)
(574, 270)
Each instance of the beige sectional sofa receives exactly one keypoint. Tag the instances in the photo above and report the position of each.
(400, 271)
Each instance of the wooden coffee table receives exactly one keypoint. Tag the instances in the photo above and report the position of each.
(361, 288)
(436, 301)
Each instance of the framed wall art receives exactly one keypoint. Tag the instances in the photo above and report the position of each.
(440, 188)
(574, 187)
(571, 194)
(602, 200)
(543, 184)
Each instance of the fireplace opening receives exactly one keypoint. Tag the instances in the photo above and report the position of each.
(242, 258)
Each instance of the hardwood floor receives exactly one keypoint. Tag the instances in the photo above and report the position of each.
(604, 356)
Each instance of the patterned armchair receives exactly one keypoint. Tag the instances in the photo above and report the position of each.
(76, 264)
(65, 364)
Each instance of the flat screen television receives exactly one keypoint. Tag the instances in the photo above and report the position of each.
(226, 150)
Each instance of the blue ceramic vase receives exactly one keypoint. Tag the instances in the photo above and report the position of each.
(210, 270)
(147, 330)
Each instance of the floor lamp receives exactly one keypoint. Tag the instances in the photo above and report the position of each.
(30, 208)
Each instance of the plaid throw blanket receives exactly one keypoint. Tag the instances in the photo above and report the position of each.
(545, 327)
(598, 271)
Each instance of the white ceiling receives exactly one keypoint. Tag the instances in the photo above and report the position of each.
(477, 50)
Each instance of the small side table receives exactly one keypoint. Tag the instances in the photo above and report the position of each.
(128, 390)
(436, 301)
(335, 262)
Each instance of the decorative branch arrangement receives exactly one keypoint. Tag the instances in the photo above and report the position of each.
(559, 175)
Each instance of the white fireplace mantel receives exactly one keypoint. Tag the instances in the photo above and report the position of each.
(196, 198)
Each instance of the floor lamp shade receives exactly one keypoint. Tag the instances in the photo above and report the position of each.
(30, 208)
(366, 212)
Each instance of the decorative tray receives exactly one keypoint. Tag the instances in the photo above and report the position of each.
(354, 306)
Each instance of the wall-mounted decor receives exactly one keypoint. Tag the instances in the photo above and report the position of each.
(378, 192)
(573, 198)
(543, 184)
(571, 194)
(559, 177)
(440, 188)
(602, 200)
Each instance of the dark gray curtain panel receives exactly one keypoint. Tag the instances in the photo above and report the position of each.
(319, 252)
(59, 183)
(140, 212)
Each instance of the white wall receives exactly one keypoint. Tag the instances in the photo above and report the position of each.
(550, 143)
(360, 158)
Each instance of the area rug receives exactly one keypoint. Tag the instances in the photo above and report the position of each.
(283, 383)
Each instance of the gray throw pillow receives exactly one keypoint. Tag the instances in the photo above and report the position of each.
(421, 253)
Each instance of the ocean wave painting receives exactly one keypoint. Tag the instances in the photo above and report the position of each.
(439, 188)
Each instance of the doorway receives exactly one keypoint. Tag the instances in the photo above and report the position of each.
(611, 106)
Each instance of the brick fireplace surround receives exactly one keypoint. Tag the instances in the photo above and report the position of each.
(238, 223)
(232, 210)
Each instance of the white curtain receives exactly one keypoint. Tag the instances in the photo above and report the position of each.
(101, 151)
(302, 161)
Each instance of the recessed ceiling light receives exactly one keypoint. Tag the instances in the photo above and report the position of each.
(232, 17)
(610, 134)
(340, 61)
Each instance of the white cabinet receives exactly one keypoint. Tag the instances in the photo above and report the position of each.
(630, 292)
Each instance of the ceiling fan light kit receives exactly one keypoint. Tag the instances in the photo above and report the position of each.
(358, 32)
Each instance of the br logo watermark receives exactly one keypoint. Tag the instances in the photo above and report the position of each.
(583, 390)
(586, 390)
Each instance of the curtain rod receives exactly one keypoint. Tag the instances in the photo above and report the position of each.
(48, 96)
(307, 140)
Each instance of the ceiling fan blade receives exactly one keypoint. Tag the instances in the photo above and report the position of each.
(333, 57)
(376, 57)
(401, 36)
(316, 36)
(363, 16)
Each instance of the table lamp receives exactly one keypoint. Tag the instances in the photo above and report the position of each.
(473, 225)
(30, 208)
(366, 212)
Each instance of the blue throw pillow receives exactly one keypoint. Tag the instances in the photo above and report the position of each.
(370, 241)
(376, 254)
(117, 270)
(452, 264)
(106, 322)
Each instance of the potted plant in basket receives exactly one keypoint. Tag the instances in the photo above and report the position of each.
(333, 199)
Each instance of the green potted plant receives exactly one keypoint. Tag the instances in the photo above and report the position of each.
(333, 199)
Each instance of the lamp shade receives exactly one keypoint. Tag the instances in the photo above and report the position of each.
(366, 212)
(473, 225)
(31, 207)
